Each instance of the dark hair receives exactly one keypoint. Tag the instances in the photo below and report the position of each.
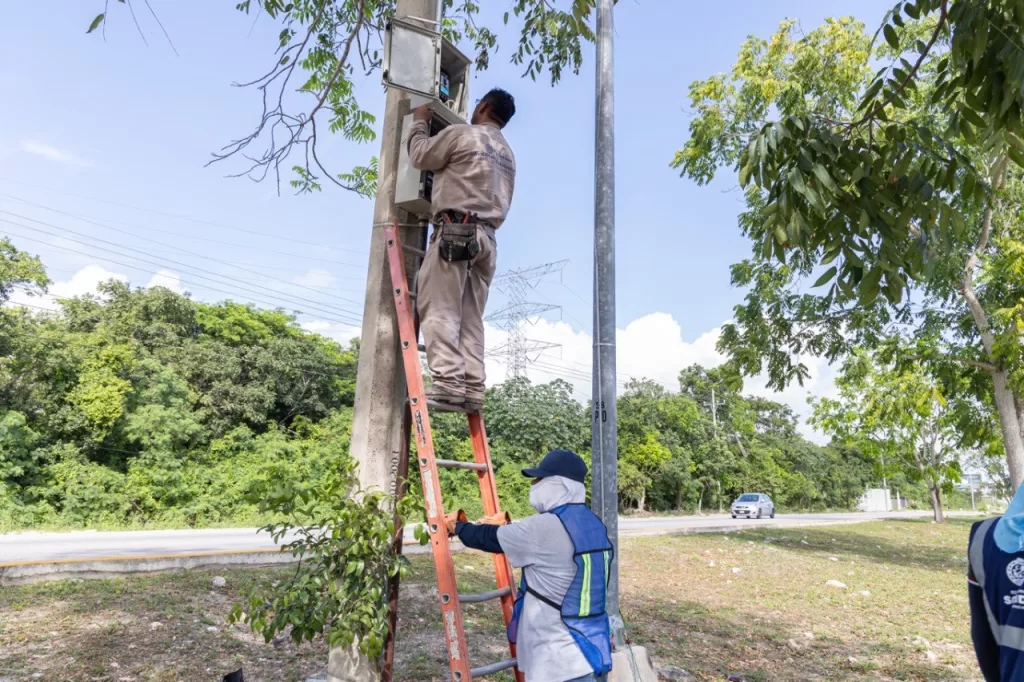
(502, 105)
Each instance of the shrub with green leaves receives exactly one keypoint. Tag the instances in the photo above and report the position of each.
(343, 537)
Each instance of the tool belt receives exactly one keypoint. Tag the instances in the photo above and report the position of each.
(458, 241)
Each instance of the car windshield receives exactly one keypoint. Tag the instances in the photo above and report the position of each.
(747, 498)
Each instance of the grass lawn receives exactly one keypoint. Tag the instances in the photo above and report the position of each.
(752, 604)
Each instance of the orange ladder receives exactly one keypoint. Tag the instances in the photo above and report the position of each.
(451, 601)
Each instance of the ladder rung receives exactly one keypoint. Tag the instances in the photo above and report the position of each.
(454, 464)
(492, 668)
(484, 596)
(413, 250)
(412, 295)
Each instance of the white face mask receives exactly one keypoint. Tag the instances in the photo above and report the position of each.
(554, 491)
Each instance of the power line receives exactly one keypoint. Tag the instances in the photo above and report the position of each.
(206, 286)
(579, 374)
(289, 299)
(171, 246)
(29, 305)
(164, 258)
(179, 217)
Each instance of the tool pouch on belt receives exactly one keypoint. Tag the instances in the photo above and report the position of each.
(458, 241)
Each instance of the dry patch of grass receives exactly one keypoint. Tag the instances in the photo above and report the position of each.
(773, 619)
(757, 604)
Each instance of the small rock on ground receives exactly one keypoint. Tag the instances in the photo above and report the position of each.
(671, 673)
(836, 583)
(155, 626)
(219, 581)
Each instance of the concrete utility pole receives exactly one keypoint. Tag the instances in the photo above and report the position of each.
(380, 382)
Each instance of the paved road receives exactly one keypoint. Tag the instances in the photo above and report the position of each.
(62, 547)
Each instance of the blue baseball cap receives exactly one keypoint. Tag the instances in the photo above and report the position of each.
(560, 463)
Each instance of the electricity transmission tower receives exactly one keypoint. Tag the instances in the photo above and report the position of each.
(517, 285)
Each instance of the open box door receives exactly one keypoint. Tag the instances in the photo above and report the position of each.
(412, 58)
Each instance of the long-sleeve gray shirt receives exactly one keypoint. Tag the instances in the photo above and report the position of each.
(474, 168)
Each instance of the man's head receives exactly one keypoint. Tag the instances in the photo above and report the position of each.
(497, 107)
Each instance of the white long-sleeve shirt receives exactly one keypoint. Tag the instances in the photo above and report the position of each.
(541, 546)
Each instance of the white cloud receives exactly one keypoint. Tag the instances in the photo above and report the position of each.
(82, 282)
(650, 347)
(316, 278)
(168, 280)
(342, 333)
(52, 153)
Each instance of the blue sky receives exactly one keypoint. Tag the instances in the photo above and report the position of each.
(87, 122)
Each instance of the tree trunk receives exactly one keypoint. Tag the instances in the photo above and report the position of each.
(936, 496)
(1009, 422)
(679, 498)
(640, 502)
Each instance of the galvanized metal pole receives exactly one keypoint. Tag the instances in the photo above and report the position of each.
(604, 471)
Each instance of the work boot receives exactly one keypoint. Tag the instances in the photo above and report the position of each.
(440, 398)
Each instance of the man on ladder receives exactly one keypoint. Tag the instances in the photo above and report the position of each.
(559, 625)
(474, 177)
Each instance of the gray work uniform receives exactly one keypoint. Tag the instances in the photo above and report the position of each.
(541, 546)
(474, 172)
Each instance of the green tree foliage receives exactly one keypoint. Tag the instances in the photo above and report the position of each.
(19, 269)
(142, 406)
(898, 415)
(344, 546)
(325, 45)
(882, 205)
(670, 458)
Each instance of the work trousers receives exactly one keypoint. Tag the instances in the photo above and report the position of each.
(451, 297)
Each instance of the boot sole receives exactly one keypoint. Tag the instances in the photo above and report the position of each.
(441, 406)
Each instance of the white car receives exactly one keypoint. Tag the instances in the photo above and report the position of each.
(753, 506)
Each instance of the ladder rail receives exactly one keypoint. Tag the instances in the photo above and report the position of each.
(489, 495)
(427, 462)
(454, 631)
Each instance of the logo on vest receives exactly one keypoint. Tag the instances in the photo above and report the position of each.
(1015, 572)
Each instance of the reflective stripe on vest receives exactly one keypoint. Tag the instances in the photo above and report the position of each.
(585, 594)
(1005, 635)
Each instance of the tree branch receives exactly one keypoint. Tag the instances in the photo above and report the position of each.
(967, 288)
(943, 13)
(288, 131)
(987, 366)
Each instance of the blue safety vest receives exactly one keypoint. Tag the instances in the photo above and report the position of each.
(582, 608)
(1001, 577)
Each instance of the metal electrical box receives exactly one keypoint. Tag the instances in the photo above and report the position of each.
(424, 64)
